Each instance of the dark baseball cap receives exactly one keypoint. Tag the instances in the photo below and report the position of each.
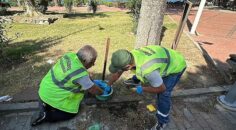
(119, 60)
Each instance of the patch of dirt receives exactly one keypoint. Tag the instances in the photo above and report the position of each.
(126, 116)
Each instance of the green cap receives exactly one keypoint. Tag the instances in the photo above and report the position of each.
(119, 60)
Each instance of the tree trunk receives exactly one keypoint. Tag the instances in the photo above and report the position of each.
(30, 8)
(18, 3)
(150, 22)
(56, 2)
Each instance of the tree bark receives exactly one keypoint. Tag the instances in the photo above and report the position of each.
(18, 3)
(150, 22)
(56, 2)
(30, 8)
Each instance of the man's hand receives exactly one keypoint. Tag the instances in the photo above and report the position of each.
(103, 85)
(100, 83)
(114, 77)
(138, 89)
(95, 90)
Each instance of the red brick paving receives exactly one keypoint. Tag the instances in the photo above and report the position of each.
(217, 31)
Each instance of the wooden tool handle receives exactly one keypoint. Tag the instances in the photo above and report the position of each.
(105, 60)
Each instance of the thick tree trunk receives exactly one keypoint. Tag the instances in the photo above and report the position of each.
(150, 22)
(30, 8)
(18, 3)
(56, 2)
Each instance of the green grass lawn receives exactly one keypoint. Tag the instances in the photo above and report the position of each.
(39, 43)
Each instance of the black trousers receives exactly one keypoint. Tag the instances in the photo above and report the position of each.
(53, 114)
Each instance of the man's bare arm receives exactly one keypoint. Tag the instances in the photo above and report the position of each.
(95, 90)
(150, 89)
(114, 77)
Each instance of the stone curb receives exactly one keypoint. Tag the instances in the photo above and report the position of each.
(18, 106)
(7, 107)
(200, 91)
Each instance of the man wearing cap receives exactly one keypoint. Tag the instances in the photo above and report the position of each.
(158, 68)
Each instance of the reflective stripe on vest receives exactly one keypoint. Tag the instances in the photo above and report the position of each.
(157, 60)
(168, 63)
(61, 84)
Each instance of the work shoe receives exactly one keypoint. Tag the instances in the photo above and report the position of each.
(158, 126)
(41, 118)
(132, 81)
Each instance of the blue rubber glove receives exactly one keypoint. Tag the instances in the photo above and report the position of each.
(103, 85)
(107, 89)
(139, 89)
(100, 83)
(105, 93)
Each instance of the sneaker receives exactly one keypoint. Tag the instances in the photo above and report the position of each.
(132, 81)
(41, 118)
(158, 126)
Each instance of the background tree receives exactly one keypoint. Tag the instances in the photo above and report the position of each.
(56, 2)
(93, 4)
(35, 7)
(68, 4)
(150, 22)
(30, 9)
(41, 5)
(135, 6)
(3, 37)
(19, 3)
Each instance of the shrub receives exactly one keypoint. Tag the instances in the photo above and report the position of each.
(3, 7)
(41, 5)
(93, 6)
(109, 4)
(68, 5)
(80, 2)
(13, 3)
(3, 37)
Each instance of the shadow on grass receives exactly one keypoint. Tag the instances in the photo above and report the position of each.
(163, 30)
(201, 76)
(85, 15)
(10, 13)
(19, 52)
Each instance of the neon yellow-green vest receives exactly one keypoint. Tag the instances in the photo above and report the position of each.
(153, 57)
(58, 87)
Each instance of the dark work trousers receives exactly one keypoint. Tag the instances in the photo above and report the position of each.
(164, 99)
(53, 114)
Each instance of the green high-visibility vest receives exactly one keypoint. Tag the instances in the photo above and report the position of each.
(59, 89)
(153, 57)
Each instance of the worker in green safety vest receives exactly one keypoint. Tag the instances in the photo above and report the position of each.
(157, 70)
(62, 89)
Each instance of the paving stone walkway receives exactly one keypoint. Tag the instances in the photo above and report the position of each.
(217, 33)
(195, 113)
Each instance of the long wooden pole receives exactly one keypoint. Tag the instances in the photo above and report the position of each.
(182, 23)
(105, 60)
